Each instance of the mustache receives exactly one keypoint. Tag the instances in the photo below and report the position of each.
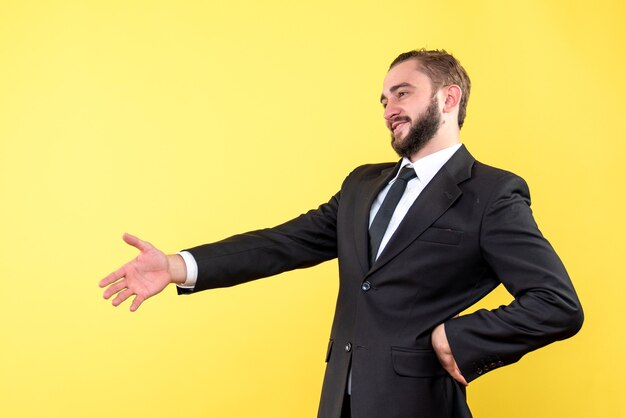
(400, 119)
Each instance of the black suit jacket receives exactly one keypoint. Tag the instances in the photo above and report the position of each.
(469, 230)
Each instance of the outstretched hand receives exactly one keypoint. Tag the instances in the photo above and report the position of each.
(145, 276)
(444, 354)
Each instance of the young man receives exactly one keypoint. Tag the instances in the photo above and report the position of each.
(418, 242)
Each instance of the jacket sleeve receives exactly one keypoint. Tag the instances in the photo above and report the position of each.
(305, 241)
(545, 306)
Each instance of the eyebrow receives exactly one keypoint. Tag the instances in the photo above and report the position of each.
(393, 89)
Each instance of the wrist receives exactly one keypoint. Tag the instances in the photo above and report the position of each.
(177, 269)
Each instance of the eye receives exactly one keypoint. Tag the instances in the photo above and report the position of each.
(384, 103)
(402, 93)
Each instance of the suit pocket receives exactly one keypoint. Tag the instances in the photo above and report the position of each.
(416, 363)
(328, 350)
(442, 236)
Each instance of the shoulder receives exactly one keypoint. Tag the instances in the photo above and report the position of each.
(465, 168)
(374, 169)
(371, 171)
(499, 187)
(494, 177)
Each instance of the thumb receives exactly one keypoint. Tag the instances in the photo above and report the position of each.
(136, 242)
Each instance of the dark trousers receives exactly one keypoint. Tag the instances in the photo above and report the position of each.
(345, 409)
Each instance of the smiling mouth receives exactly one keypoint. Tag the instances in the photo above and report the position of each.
(397, 125)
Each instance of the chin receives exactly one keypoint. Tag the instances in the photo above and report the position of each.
(397, 139)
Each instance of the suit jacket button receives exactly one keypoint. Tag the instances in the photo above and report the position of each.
(366, 286)
(479, 371)
(348, 347)
(500, 363)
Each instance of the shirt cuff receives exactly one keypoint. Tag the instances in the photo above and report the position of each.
(192, 270)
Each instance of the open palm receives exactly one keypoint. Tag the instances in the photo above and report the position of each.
(145, 276)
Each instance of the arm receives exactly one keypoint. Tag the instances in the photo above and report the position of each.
(546, 307)
(145, 276)
(304, 241)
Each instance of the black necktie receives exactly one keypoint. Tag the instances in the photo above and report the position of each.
(382, 218)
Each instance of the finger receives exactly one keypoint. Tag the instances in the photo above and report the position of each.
(453, 369)
(113, 277)
(136, 242)
(122, 296)
(456, 375)
(136, 303)
(448, 364)
(114, 288)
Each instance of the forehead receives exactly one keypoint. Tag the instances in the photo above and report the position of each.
(406, 72)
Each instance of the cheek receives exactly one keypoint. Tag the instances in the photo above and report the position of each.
(416, 109)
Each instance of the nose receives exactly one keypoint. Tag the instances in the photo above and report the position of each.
(391, 110)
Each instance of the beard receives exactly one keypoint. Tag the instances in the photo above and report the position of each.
(422, 131)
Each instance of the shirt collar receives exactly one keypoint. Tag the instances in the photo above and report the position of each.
(426, 167)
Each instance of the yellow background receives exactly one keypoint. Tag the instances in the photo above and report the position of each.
(185, 122)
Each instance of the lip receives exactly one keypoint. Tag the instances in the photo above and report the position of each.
(396, 125)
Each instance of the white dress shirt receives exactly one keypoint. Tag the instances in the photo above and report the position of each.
(425, 169)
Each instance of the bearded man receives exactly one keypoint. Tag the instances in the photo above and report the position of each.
(418, 242)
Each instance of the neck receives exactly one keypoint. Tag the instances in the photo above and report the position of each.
(437, 143)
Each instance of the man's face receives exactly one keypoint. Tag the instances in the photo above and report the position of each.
(412, 111)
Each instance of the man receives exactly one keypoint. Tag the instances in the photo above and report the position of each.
(418, 242)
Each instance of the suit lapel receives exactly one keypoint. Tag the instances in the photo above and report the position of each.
(435, 199)
(372, 185)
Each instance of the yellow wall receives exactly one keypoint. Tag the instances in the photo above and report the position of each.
(184, 122)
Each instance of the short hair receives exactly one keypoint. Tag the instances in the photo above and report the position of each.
(443, 70)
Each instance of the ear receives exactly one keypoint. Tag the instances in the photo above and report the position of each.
(452, 97)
